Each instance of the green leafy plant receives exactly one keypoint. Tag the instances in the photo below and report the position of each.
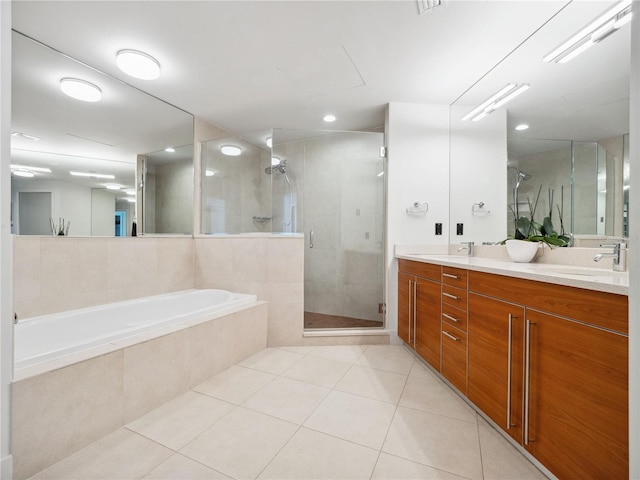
(526, 228)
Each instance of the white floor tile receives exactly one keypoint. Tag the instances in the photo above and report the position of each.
(440, 442)
(178, 422)
(120, 455)
(340, 353)
(396, 468)
(318, 371)
(300, 350)
(354, 418)
(370, 383)
(271, 360)
(241, 444)
(235, 384)
(314, 455)
(180, 467)
(392, 358)
(287, 399)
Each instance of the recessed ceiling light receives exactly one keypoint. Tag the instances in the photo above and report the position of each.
(22, 173)
(170, 150)
(522, 126)
(231, 150)
(209, 173)
(80, 90)
(138, 64)
(329, 118)
(32, 169)
(269, 142)
(93, 175)
(130, 191)
(275, 161)
(112, 186)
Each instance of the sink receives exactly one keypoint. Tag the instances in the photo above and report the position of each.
(578, 271)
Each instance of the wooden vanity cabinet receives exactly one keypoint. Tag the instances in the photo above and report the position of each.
(454, 326)
(419, 308)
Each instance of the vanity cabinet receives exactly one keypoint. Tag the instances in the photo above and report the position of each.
(548, 363)
(454, 326)
(419, 308)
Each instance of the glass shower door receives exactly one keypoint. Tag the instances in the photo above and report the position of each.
(330, 185)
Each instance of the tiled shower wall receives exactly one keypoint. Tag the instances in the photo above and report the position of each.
(53, 274)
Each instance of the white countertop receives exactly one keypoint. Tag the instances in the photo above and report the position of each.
(572, 276)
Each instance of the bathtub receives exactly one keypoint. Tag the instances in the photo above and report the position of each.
(49, 337)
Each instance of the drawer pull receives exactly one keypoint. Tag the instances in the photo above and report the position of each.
(448, 275)
(450, 317)
(455, 339)
(450, 296)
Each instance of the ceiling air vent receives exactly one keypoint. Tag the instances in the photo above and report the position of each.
(426, 5)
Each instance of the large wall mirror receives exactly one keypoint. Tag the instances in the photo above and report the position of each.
(574, 151)
(74, 162)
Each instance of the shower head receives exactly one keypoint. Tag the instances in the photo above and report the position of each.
(281, 167)
(523, 176)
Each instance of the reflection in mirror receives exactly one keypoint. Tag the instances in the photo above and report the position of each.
(54, 134)
(577, 115)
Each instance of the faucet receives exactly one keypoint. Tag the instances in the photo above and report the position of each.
(468, 248)
(619, 256)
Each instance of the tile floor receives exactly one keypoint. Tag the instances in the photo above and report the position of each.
(343, 412)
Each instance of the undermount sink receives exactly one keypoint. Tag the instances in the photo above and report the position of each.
(580, 271)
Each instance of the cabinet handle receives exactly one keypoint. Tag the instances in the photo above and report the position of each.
(450, 296)
(415, 310)
(455, 339)
(410, 303)
(450, 317)
(527, 380)
(509, 374)
(448, 275)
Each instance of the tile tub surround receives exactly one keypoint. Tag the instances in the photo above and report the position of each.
(59, 412)
(239, 424)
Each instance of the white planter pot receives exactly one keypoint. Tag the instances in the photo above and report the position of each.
(522, 251)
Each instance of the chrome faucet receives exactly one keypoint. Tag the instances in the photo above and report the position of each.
(619, 256)
(468, 246)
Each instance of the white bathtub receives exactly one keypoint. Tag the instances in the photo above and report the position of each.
(49, 337)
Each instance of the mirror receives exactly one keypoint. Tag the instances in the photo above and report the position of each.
(575, 146)
(54, 134)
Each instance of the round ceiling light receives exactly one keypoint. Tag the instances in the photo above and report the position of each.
(112, 186)
(522, 126)
(209, 173)
(269, 142)
(170, 150)
(138, 64)
(130, 191)
(231, 150)
(329, 118)
(275, 161)
(80, 90)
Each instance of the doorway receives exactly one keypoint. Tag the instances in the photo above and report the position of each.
(34, 213)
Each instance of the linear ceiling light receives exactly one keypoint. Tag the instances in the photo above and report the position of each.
(80, 90)
(24, 135)
(32, 169)
(92, 175)
(596, 31)
(509, 92)
(19, 172)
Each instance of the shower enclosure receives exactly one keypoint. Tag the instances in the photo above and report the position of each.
(328, 185)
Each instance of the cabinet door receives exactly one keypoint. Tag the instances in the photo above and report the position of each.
(495, 346)
(428, 321)
(576, 407)
(454, 356)
(405, 307)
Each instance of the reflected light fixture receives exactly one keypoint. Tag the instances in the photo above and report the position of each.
(505, 94)
(329, 118)
(131, 200)
(380, 174)
(522, 126)
(80, 89)
(112, 186)
(275, 161)
(138, 64)
(25, 136)
(170, 150)
(269, 142)
(31, 169)
(209, 173)
(92, 175)
(130, 191)
(231, 150)
(19, 172)
(603, 26)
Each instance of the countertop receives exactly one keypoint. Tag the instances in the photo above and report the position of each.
(572, 276)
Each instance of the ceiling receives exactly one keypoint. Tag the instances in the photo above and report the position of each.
(247, 66)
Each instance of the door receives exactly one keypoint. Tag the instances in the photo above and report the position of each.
(495, 346)
(34, 213)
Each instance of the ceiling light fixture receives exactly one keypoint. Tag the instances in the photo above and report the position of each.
(22, 173)
(130, 191)
(380, 174)
(112, 186)
(329, 118)
(138, 64)
(275, 161)
(209, 173)
(25, 136)
(269, 142)
(522, 126)
(31, 169)
(231, 150)
(596, 31)
(80, 90)
(170, 150)
(92, 175)
(131, 200)
(507, 93)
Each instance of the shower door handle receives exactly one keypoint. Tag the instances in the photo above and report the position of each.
(311, 235)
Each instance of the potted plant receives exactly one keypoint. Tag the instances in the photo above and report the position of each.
(529, 234)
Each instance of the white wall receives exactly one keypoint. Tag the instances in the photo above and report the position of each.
(418, 171)
(103, 211)
(479, 167)
(6, 258)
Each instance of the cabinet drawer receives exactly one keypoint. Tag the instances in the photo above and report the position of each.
(454, 357)
(454, 317)
(456, 277)
(419, 269)
(455, 297)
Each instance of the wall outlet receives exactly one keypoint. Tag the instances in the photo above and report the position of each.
(438, 229)
(459, 229)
